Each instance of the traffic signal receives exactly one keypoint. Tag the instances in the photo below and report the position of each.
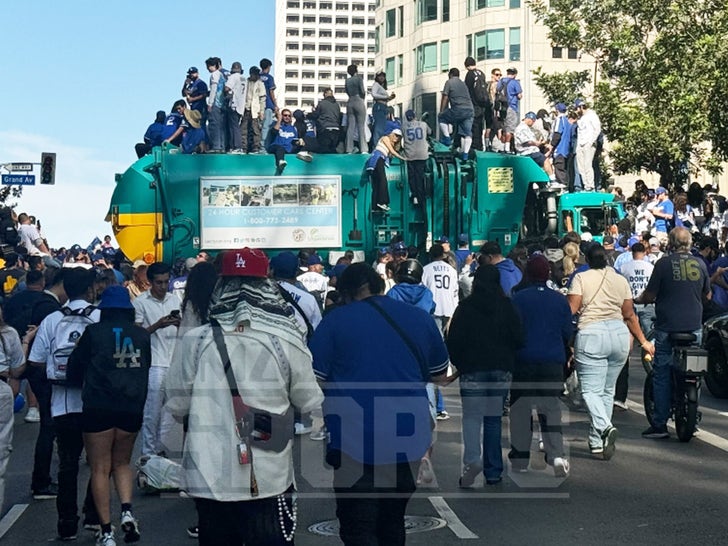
(48, 168)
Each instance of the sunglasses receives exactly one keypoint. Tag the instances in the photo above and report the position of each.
(498, 75)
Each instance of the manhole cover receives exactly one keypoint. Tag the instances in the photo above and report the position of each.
(412, 524)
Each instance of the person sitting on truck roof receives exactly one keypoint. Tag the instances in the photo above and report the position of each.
(286, 137)
(193, 136)
(172, 132)
(153, 136)
(528, 144)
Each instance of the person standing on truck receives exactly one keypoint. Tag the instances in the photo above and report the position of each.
(255, 98)
(236, 88)
(216, 106)
(328, 122)
(456, 109)
(561, 145)
(586, 142)
(379, 108)
(356, 110)
(195, 91)
(507, 105)
(271, 104)
(478, 89)
(416, 150)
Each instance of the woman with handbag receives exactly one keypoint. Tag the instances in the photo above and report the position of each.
(602, 299)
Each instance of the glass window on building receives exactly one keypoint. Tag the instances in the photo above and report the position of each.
(341, 6)
(325, 19)
(291, 60)
(427, 104)
(291, 88)
(292, 18)
(309, 5)
(357, 48)
(445, 11)
(293, 4)
(390, 22)
(324, 75)
(342, 34)
(572, 53)
(342, 47)
(557, 52)
(426, 58)
(357, 34)
(308, 75)
(325, 5)
(292, 32)
(377, 32)
(514, 4)
(308, 60)
(514, 44)
(312, 47)
(307, 89)
(389, 69)
(292, 46)
(480, 4)
(309, 18)
(325, 61)
(342, 20)
(309, 32)
(322, 47)
(495, 44)
(357, 7)
(445, 55)
(291, 74)
(400, 32)
(400, 68)
(357, 21)
(426, 11)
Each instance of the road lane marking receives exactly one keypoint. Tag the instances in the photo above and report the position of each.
(11, 517)
(702, 435)
(453, 522)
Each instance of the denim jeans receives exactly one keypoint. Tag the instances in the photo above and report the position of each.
(6, 433)
(158, 422)
(483, 394)
(267, 124)
(661, 376)
(460, 119)
(646, 316)
(216, 129)
(600, 351)
(379, 115)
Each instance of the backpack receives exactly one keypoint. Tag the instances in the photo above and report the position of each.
(68, 332)
(8, 233)
(501, 99)
(480, 89)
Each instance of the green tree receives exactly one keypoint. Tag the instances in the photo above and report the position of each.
(661, 94)
(561, 86)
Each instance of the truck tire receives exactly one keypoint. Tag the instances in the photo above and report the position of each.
(717, 376)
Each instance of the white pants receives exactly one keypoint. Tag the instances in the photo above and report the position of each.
(6, 433)
(158, 422)
(584, 158)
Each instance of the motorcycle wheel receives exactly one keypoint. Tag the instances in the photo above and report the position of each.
(648, 399)
(686, 415)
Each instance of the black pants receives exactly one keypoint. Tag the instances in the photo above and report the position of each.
(537, 386)
(142, 149)
(561, 171)
(252, 522)
(377, 516)
(416, 179)
(70, 445)
(46, 433)
(327, 140)
(478, 126)
(380, 189)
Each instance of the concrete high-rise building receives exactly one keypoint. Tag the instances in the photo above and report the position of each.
(419, 41)
(315, 41)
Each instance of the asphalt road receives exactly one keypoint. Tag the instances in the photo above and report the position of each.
(651, 492)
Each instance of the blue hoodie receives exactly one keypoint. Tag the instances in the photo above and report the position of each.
(414, 294)
(510, 275)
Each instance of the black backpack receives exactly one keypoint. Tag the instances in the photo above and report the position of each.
(8, 232)
(501, 99)
(480, 89)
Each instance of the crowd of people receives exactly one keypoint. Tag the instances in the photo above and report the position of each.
(111, 349)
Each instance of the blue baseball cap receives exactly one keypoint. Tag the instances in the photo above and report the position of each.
(560, 107)
(410, 115)
(284, 265)
(579, 102)
(530, 115)
(443, 239)
(660, 191)
(314, 259)
(192, 70)
(115, 297)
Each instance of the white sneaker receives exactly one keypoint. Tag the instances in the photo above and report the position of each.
(320, 434)
(237, 151)
(304, 156)
(561, 467)
(617, 403)
(32, 415)
(105, 539)
(300, 428)
(130, 527)
(282, 164)
(425, 475)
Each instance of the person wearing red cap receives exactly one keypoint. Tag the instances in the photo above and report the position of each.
(242, 487)
(538, 371)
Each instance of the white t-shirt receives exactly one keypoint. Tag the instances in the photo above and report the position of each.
(637, 273)
(315, 282)
(239, 87)
(64, 400)
(11, 350)
(442, 279)
(307, 303)
(148, 311)
(29, 234)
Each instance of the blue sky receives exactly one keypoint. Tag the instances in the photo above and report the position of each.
(84, 78)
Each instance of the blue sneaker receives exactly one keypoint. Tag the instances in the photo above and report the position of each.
(446, 140)
(464, 157)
